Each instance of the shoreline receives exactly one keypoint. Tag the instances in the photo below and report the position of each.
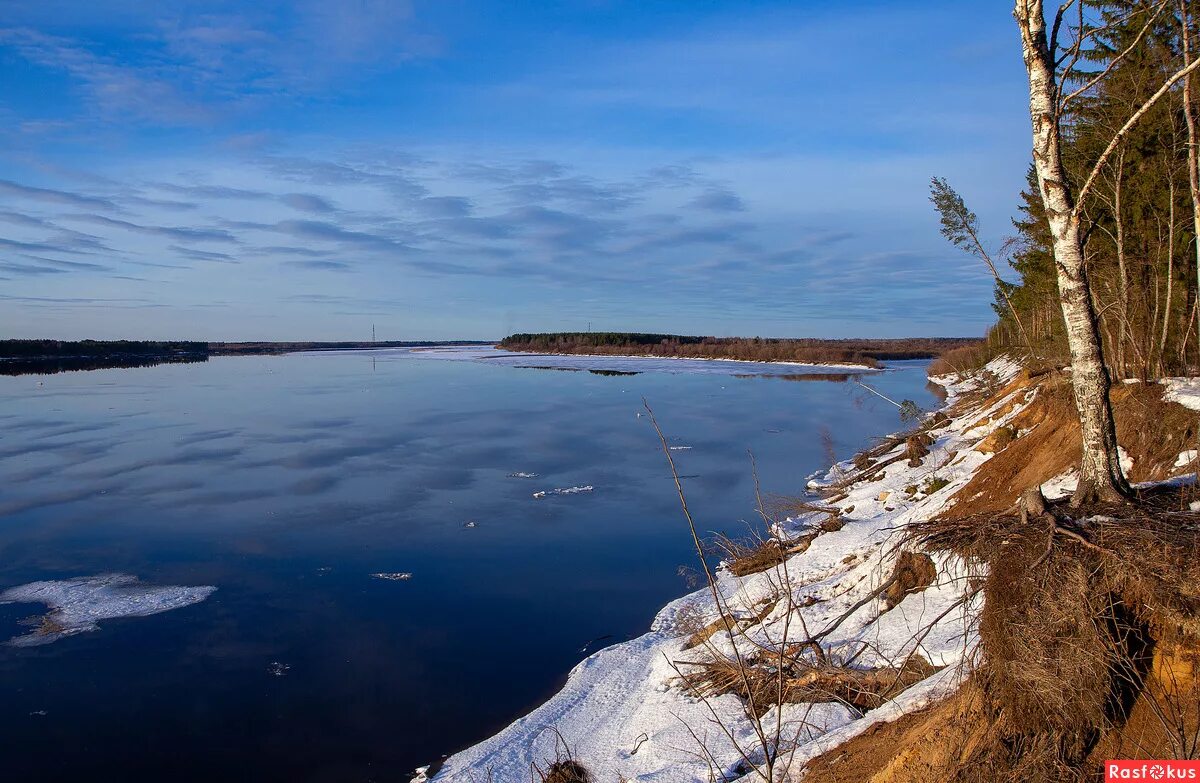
(860, 367)
(506, 353)
(628, 694)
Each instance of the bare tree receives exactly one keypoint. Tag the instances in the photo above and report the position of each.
(1100, 474)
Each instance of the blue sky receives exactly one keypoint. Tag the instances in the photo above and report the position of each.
(465, 169)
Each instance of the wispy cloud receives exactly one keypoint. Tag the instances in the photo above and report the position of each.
(17, 191)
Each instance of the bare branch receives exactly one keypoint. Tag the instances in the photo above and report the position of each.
(1132, 121)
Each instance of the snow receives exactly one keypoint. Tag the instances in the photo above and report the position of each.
(78, 605)
(1185, 391)
(623, 712)
(632, 364)
(1062, 485)
(1185, 458)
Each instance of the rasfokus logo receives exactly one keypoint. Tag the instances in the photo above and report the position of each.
(1143, 769)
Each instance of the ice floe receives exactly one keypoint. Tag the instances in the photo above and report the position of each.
(563, 491)
(78, 605)
(395, 576)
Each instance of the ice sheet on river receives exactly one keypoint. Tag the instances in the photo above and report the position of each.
(626, 364)
(78, 605)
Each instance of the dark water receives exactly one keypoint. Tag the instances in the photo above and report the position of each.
(287, 481)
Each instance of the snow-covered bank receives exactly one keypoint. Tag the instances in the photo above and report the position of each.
(623, 711)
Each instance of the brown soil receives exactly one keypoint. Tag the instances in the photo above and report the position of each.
(1088, 636)
(1152, 431)
(917, 748)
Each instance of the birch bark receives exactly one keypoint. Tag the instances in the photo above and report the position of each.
(1100, 474)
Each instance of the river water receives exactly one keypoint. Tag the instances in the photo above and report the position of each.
(291, 483)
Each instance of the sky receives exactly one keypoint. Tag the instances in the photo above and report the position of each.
(462, 169)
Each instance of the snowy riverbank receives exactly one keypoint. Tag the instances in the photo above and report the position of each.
(623, 712)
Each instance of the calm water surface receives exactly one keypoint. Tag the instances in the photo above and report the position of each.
(286, 482)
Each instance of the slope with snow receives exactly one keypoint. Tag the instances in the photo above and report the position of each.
(623, 712)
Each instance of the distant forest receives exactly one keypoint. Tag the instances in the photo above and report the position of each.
(252, 348)
(760, 349)
(97, 349)
(47, 357)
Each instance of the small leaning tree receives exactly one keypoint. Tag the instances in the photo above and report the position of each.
(1050, 67)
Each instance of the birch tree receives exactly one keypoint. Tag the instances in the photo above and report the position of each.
(1100, 474)
(961, 226)
(1187, 43)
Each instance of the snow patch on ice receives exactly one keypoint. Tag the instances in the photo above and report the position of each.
(78, 605)
(563, 491)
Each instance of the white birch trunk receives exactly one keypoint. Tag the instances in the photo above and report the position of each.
(1193, 155)
(1100, 475)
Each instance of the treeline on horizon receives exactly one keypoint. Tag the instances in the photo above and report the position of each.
(97, 349)
(866, 352)
(49, 357)
(261, 347)
(1140, 217)
(79, 349)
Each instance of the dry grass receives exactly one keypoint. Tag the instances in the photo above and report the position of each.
(565, 772)
(802, 683)
(1074, 610)
(962, 360)
(725, 622)
(743, 558)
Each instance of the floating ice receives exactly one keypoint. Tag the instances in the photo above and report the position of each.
(563, 491)
(469, 523)
(277, 669)
(78, 605)
(398, 576)
(522, 474)
(613, 365)
(680, 448)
